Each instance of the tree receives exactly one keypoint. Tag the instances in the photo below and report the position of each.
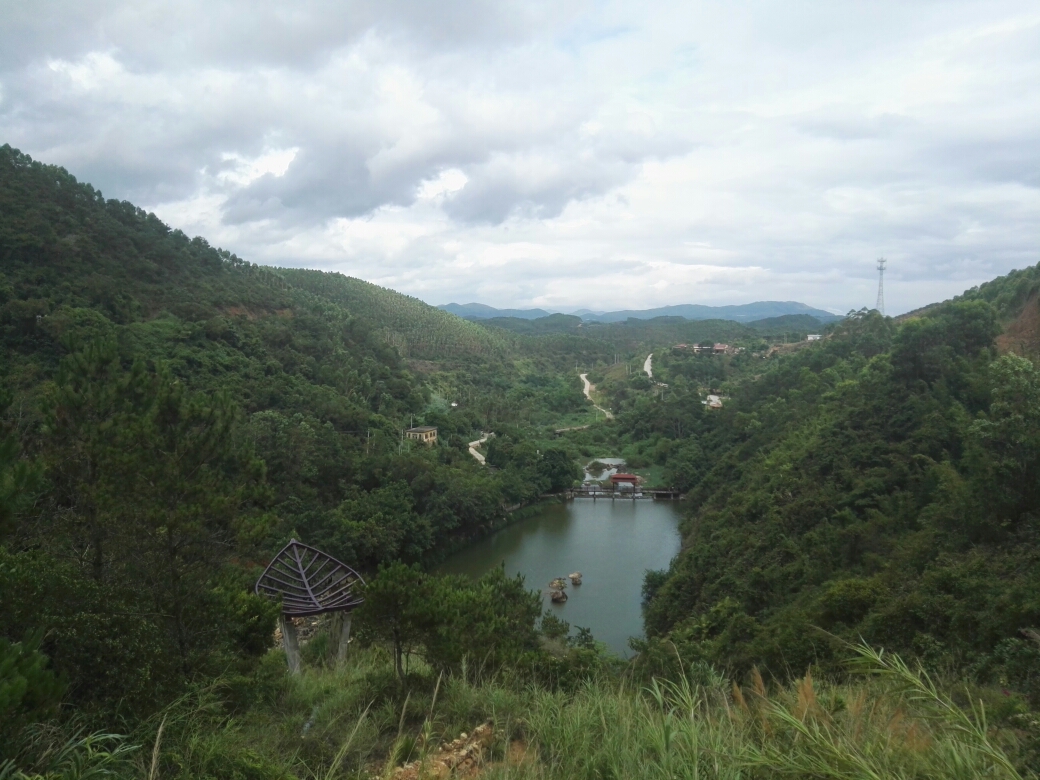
(20, 478)
(1009, 436)
(185, 478)
(377, 526)
(150, 483)
(492, 621)
(85, 413)
(29, 691)
(557, 467)
(398, 608)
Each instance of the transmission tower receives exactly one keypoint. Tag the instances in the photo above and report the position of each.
(881, 285)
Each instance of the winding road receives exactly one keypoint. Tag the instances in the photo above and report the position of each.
(473, 448)
(588, 389)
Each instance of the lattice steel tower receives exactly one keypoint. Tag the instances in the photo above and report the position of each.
(881, 285)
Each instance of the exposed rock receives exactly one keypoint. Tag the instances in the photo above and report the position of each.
(575, 578)
(558, 584)
(558, 596)
(462, 757)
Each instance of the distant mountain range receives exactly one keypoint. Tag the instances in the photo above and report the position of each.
(746, 312)
(478, 311)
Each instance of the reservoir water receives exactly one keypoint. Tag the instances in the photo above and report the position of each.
(612, 543)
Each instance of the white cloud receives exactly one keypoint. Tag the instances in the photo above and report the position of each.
(560, 154)
(245, 171)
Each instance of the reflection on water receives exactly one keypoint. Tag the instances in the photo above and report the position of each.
(612, 543)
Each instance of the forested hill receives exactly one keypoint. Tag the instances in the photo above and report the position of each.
(170, 415)
(417, 329)
(882, 483)
(76, 267)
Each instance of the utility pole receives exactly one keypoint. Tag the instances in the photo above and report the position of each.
(881, 285)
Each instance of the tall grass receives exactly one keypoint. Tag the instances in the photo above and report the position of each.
(50, 753)
(889, 721)
(894, 724)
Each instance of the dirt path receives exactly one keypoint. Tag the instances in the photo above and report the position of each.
(473, 447)
(589, 387)
(648, 365)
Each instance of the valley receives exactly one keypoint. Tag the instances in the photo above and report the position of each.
(855, 511)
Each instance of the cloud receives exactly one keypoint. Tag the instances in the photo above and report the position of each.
(561, 154)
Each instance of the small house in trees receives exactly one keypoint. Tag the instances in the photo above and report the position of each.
(427, 434)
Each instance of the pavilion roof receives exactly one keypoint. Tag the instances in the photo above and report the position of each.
(309, 582)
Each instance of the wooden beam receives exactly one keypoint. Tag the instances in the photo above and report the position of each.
(290, 642)
(344, 637)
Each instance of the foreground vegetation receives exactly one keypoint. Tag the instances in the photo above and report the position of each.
(888, 721)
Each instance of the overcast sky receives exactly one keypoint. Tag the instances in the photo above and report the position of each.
(559, 154)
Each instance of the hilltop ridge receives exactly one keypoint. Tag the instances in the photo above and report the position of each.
(745, 312)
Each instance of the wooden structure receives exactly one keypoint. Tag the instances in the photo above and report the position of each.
(309, 582)
(596, 492)
(427, 434)
(624, 482)
(667, 494)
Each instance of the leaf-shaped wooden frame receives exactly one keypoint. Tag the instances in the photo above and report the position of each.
(309, 582)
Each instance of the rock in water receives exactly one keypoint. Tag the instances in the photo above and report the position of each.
(558, 596)
(558, 584)
(575, 578)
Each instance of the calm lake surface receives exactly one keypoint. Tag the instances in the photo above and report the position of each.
(612, 543)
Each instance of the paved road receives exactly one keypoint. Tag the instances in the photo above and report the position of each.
(587, 390)
(648, 365)
(473, 447)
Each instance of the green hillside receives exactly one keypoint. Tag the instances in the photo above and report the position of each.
(788, 322)
(171, 415)
(416, 329)
(169, 407)
(77, 267)
(554, 323)
(631, 335)
(881, 483)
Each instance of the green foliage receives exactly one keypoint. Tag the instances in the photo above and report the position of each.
(29, 692)
(416, 329)
(172, 413)
(880, 483)
(557, 467)
(449, 620)
(53, 755)
(377, 526)
(554, 627)
(891, 720)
